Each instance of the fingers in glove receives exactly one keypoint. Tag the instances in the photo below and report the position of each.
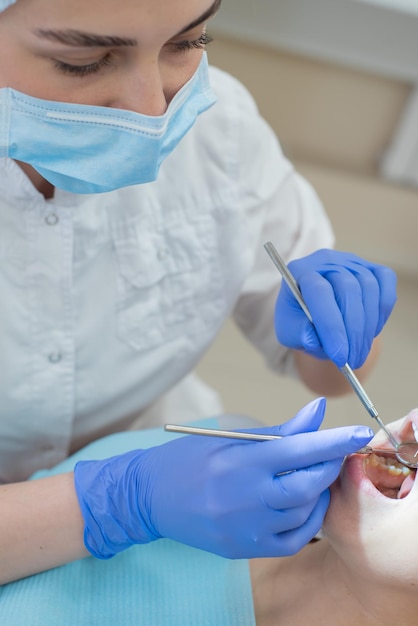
(287, 542)
(299, 488)
(328, 321)
(304, 449)
(387, 284)
(357, 295)
(292, 541)
(308, 419)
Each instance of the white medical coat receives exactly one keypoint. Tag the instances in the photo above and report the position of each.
(108, 300)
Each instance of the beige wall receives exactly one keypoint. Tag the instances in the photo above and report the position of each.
(322, 112)
(334, 122)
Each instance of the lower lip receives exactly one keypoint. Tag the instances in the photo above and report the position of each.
(355, 477)
(354, 474)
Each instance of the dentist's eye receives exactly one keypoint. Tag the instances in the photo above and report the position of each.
(199, 43)
(83, 70)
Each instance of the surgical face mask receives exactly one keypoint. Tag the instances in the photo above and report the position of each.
(6, 3)
(89, 149)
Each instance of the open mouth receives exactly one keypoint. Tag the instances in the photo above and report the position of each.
(390, 477)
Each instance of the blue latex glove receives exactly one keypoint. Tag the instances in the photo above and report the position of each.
(349, 299)
(223, 496)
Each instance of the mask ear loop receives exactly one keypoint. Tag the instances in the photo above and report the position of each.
(5, 95)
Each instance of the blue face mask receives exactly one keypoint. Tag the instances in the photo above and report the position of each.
(89, 149)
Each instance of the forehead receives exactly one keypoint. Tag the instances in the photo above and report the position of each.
(83, 7)
(145, 18)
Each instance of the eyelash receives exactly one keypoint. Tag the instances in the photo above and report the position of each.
(83, 70)
(106, 61)
(201, 42)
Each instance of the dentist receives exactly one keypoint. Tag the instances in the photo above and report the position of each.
(137, 186)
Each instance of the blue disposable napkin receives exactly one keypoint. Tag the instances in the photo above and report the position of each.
(163, 583)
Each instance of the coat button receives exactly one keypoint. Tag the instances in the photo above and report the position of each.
(52, 219)
(55, 357)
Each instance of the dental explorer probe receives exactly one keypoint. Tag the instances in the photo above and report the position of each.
(410, 455)
(345, 369)
(244, 436)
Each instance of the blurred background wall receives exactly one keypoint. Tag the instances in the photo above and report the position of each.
(336, 81)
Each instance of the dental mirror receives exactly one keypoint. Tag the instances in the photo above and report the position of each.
(406, 452)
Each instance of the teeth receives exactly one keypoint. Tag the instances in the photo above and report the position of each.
(393, 467)
(396, 471)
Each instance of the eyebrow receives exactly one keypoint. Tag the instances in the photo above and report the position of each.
(78, 38)
(205, 16)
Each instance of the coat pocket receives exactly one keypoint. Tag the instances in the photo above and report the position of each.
(160, 281)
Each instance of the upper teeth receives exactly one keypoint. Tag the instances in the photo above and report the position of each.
(396, 471)
(383, 463)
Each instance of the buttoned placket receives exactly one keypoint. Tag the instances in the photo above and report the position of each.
(50, 233)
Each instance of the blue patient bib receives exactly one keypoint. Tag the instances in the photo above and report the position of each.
(163, 583)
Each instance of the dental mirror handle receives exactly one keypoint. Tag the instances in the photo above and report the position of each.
(345, 369)
(244, 436)
(389, 435)
(215, 432)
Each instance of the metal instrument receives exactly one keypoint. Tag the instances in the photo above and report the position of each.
(248, 436)
(406, 452)
(215, 432)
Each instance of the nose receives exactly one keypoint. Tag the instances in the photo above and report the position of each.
(140, 90)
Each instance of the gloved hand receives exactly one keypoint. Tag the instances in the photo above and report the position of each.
(230, 497)
(349, 299)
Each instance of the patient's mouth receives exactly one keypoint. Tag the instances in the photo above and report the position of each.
(390, 477)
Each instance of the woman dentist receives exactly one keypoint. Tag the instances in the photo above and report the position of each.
(137, 189)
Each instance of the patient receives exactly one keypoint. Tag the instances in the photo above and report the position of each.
(363, 572)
